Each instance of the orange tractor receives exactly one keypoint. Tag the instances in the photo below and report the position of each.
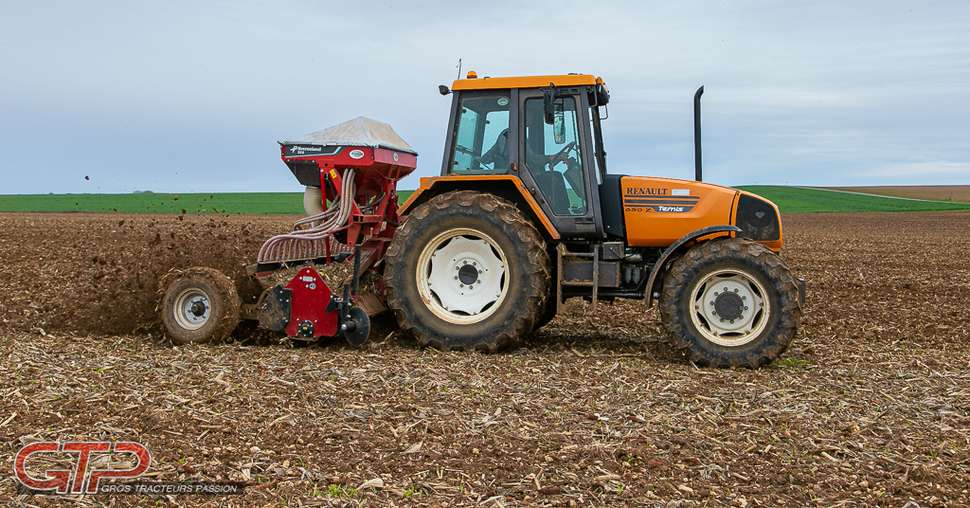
(523, 217)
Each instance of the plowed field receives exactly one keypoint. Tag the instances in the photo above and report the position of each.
(958, 193)
(871, 405)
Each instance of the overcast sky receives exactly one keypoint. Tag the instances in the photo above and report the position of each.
(189, 96)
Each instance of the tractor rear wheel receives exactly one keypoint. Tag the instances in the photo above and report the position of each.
(199, 305)
(730, 303)
(548, 313)
(467, 270)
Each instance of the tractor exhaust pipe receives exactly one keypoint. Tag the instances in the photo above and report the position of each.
(698, 173)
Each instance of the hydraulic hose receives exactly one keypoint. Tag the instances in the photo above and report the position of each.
(307, 242)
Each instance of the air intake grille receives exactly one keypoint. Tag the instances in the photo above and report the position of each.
(757, 219)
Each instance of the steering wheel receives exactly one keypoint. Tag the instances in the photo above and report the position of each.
(560, 156)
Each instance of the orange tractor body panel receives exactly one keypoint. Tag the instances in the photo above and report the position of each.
(658, 211)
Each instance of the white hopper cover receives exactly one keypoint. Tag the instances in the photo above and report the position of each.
(360, 131)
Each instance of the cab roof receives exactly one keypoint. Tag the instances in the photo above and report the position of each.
(473, 82)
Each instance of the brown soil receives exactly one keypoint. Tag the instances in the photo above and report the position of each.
(90, 273)
(959, 193)
(870, 406)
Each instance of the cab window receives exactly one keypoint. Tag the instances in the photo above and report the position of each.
(556, 165)
(481, 137)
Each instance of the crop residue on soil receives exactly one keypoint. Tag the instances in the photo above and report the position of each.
(100, 273)
(871, 406)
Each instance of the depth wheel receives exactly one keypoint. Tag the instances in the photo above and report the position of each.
(467, 271)
(199, 305)
(730, 303)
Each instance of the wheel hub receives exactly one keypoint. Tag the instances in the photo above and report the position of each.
(730, 307)
(198, 308)
(467, 273)
(192, 309)
(461, 276)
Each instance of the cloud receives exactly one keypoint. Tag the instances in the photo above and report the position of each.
(820, 93)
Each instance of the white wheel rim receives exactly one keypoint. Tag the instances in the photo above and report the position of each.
(729, 307)
(462, 276)
(192, 309)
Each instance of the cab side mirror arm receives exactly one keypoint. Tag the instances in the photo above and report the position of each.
(549, 103)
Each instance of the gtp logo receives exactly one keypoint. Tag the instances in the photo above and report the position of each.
(80, 479)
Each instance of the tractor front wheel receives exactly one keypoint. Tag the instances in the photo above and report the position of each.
(198, 305)
(467, 271)
(730, 303)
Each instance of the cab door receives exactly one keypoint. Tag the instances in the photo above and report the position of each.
(555, 161)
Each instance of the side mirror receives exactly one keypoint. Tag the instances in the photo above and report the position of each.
(548, 101)
(558, 123)
(553, 113)
(443, 90)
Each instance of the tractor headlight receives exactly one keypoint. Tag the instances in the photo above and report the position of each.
(757, 219)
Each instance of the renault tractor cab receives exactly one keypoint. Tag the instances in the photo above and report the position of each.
(537, 142)
(543, 129)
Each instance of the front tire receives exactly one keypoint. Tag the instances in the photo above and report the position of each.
(730, 303)
(467, 271)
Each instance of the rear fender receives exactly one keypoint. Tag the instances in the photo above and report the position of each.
(679, 247)
(505, 186)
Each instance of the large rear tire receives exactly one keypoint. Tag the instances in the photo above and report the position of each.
(548, 313)
(468, 271)
(199, 305)
(730, 303)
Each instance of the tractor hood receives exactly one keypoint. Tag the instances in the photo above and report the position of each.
(658, 211)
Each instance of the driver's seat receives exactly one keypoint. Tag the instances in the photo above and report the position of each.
(553, 187)
(497, 155)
